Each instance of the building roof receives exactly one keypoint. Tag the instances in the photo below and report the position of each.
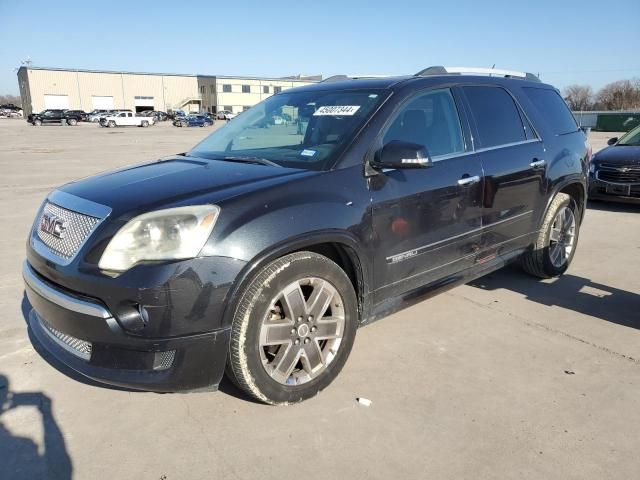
(292, 78)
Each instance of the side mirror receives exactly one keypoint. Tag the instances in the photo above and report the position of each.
(612, 141)
(397, 154)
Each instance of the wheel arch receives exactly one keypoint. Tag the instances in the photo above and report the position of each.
(340, 247)
(575, 188)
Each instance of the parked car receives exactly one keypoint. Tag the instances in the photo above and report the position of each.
(193, 121)
(225, 115)
(57, 116)
(263, 254)
(126, 119)
(81, 114)
(10, 107)
(614, 173)
(158, 115)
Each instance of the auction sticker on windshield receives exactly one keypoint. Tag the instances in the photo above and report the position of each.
(337, 110)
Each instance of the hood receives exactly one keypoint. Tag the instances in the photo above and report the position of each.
(177, 180)
(619, 154)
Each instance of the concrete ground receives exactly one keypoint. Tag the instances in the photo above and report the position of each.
(509, 377)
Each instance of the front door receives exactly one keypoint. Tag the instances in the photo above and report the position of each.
(426, 220)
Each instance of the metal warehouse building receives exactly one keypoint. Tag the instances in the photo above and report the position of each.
(43, 88)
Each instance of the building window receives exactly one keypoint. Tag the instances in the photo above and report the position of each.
(246, 88)
(202, 88)
(277, 89)
(265, 89)
(228, 108)
(212, 89)
(226, 88)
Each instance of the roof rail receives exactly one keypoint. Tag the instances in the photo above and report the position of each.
(477, 71)
(339, 78)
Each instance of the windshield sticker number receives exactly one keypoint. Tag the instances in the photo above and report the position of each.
(308, 153)
(338, 110)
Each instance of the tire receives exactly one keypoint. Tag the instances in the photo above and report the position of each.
(37, 123)
(543, 261)
(111, 124)
(144, 124)
(259, 308)
(72, 121)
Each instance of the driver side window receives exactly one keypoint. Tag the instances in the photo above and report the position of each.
(431, 120)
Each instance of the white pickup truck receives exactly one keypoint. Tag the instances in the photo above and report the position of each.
(126, 119)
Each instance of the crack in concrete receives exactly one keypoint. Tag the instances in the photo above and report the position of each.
(552, 330)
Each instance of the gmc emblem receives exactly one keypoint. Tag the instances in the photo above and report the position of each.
(53, 225)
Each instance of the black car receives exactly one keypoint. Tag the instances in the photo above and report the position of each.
(54, 116)
(614, 173)
(261, 251)
(81, 114)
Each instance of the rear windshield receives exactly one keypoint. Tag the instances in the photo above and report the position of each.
(552, 108)
(298, 129)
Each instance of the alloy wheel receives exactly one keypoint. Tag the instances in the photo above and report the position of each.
(302, 331)
(562, 237)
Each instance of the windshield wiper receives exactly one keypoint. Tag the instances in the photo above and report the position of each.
(258, 160)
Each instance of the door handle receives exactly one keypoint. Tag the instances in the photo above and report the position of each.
(466, 181)
(537, 163)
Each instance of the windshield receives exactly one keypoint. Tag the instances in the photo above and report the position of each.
(632, 138)
(299, 129)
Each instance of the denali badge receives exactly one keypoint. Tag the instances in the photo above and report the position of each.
(53, 225)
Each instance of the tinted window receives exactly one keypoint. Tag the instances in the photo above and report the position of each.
(430, 120)
(551, 106)
(496, 116)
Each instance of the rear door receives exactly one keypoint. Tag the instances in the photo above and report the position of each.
(514, 164)
(426, 220)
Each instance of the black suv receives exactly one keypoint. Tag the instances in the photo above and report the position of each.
(54, 116)
(262, 250)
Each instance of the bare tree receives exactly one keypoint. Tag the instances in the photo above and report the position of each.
(15, 99)
(620, 95)
(579, 97)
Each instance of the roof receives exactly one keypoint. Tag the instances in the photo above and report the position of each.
(293, 78)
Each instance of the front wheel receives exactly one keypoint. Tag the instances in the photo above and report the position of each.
(293, 329)
(37, 123)
(557, 240)
(111, 124)
(144, 123)
(72, 121)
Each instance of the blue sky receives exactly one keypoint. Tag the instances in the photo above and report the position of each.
(589, 42)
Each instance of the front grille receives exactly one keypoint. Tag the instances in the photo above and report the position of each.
(73, 345)
(77, 228)
(619, 174)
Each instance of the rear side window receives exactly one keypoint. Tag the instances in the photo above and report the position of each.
(552, 108)
(496, 116)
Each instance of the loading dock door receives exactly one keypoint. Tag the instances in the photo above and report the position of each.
(56, 101)
(143, 103)
(102, 102)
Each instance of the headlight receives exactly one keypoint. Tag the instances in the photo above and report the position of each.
(592, 167)
(172, 234)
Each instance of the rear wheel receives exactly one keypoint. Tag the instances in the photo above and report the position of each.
(293, 329)
(557, 240)
(111, 124)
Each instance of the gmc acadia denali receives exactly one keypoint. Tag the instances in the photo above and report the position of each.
(263, 249)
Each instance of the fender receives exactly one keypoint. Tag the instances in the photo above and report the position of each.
(352, 246)
(573, 179)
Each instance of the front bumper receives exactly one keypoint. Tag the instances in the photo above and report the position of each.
(83, 334)
(601, 190)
